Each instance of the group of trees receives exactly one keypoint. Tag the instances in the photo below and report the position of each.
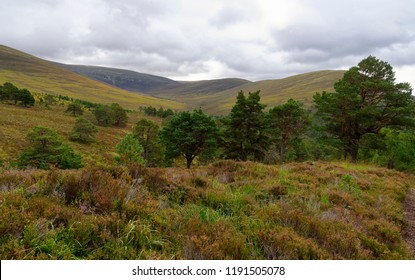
(9, 92)
(112, 115)
(368, 112)
(160, 112)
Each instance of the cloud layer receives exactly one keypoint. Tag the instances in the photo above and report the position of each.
(206, 39)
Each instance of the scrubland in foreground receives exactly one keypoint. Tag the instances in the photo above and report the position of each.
(227, 210)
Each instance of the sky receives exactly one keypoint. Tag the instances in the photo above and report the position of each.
(208, 39)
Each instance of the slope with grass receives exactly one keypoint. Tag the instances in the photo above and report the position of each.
(227, 210)
(273, 92)
(17, 121)
(37, 75)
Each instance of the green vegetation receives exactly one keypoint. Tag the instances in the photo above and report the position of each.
(227, 210)
(287, 122)
(75, 109)
(245, 133)
(130, 151)
(9, 92)
(147, 133)
(113, 115)
(160, 112)
(47, 149)
(190, 134)
(83, 131)
(126, 204)
(365, 100)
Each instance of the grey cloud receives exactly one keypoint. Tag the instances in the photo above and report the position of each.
(182, 37)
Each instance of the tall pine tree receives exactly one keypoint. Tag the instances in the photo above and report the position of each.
(245, 133)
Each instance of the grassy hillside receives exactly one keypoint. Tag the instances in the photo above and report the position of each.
(39, 75)
(227, 210)
(273, 92)
(214, 96)
(124, 79)
(17, 121)
(198, 87)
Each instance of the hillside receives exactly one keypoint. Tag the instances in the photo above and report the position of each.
(273, 92)
(17, 121)
(204, 87)
(110, 85)
(39, 75)
(227, 210)
(124, 79)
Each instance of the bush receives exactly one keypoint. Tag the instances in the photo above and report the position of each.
(47, 149)
(83, 131)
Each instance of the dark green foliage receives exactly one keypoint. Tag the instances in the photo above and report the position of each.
(365, 100)
(25, 97)
(119, 115)
(47, 149)
(75, 109)
(147, 133)
(113, 115)
(130, 151)
(10, 92)
(161, 112)
(288, 122)
(190, 134)
(83, 131)
(103, 115)
(245, 131)
(391, 148)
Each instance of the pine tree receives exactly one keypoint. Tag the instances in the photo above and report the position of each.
(365, 100)
(245, 130)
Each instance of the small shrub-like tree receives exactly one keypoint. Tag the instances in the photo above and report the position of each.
(46, 149)
(147, 133)
(83, 131)
(119, 115)
(75, 109)
(129, 151)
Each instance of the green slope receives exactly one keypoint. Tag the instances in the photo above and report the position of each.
(300, 87)
(38, 75)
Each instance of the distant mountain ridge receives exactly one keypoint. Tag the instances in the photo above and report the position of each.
(124, 79)
(38, 75)
(133, 89)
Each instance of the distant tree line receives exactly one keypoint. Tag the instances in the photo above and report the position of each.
(9, 92)
(160, 112)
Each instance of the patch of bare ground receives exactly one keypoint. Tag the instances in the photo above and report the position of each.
(409, 211)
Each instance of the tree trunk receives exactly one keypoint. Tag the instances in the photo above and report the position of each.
(282, 153)
(189, 160)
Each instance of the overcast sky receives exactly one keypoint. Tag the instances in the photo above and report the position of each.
(206, 39)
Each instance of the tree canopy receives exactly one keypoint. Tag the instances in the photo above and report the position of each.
(147, 133)
(47, 149)
(245, 131)
(365, 100)
(287, 122)
(129, 151)
(190, 134)
(83, 131)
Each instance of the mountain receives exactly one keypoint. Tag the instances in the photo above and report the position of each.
(132, 89)
(124, 79)
(39, 75)
(151, 84)
(300, 87)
